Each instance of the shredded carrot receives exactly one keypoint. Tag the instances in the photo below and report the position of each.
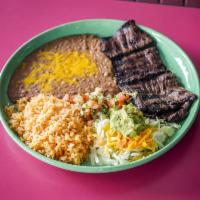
(143, 140)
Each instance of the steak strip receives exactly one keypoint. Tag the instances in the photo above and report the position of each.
(127, 39)
(148, 58)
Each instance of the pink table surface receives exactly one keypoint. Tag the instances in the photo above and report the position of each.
(172, 176)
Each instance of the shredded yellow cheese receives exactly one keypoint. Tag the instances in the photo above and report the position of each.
(59, 67)
(120, 142)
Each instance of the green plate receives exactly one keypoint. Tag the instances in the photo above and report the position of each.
(172, 56)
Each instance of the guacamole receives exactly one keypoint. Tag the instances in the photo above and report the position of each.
(128, 120)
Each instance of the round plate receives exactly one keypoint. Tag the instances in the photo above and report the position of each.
(172, 55)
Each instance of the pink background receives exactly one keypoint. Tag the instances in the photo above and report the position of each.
(173, 176)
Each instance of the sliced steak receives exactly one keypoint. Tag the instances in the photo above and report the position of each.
(154, 104)
(157, 84)
(135, 76)
(148, 58)
(176, 115)
(121, 75)
(127, 39)
(171, 106)
(180, 94)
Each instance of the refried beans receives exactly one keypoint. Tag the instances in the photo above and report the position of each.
(87, 44)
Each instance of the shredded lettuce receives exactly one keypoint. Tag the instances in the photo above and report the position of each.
(102, 155)
(164, 132)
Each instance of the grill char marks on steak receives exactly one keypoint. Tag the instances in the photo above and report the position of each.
(138, 67)
(171, 106)
(148, 58)
(153, 82)
(155, 103)
(127, 39)
(133, 76)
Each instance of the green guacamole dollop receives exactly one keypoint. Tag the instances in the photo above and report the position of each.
(128, 120)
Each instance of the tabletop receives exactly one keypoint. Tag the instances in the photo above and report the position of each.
(174, 175)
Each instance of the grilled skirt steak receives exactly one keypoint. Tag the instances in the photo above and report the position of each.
(127, 39)
(149, 58)
(138, 67)
(171, 106)
(150, 83)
